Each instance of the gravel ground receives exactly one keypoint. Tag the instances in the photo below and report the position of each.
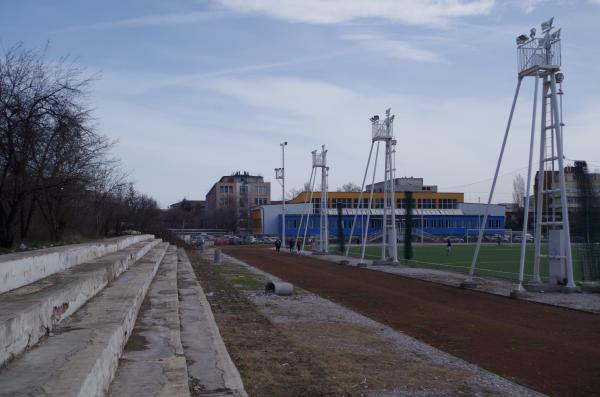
(415, 368)
(584, 301)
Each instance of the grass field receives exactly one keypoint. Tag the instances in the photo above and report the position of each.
(499, 261)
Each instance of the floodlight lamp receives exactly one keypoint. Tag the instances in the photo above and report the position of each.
(547, 25)
(532, 33)
(374, 118)
(387, 111)
(556, 35)
(559, 77)
(542, 42)
(522, 39)
(392, 118)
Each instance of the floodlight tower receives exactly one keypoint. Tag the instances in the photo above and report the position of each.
(382, 131)
(540, 58)
(319, 160)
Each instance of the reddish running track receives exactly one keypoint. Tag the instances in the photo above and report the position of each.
(549, 349)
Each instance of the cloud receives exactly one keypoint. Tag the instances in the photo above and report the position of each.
(393, 48)
(596, 2)
(528, 6)
(153, 21)
(411, 12)
(313, 112)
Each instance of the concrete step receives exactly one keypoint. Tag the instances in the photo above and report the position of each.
(81, 357)
(153, 363)
(30, 312)
(22, 268)
(210, 368)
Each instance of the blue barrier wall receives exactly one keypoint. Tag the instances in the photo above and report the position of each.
(442, 225)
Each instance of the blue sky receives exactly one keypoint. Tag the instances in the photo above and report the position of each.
(194, 90)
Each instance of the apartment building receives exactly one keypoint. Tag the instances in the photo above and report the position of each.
(230, 199)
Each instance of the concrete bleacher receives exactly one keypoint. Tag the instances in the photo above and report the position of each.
(68, 334)
(31, 311)
(22, 268)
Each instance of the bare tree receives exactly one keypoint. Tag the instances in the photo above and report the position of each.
(515, 218)
(55, 169)
(518, 191)
(296, 191)
(39, 104)
(349, 187)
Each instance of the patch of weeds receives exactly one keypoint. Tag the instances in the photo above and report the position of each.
(241, 278)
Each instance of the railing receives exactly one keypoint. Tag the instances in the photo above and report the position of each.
(381, 130)
(319, 159)
(539, 53)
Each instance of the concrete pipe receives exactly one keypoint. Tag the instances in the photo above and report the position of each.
(284, 289)
(217, 256)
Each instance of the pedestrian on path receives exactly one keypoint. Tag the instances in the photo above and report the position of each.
(291, 243)
(299, 244)
(448, 247)
(277, 245)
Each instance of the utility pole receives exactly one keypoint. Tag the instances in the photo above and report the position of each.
(280, 174)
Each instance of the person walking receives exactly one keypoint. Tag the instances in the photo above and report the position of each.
(291, 243)
(299, 245)
(448, 247)
(277, 245)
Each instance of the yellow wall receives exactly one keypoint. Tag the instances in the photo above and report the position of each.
(302, 197)
(256, 221)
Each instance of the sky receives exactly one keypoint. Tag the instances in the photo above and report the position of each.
(196, 89)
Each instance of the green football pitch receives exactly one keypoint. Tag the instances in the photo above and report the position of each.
(499, 261)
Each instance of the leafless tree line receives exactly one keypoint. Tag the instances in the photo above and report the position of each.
(56, 171)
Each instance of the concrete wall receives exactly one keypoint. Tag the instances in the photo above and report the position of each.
(22, 268)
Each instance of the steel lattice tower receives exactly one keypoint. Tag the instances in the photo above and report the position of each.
(319, 160)
(382, 131)
(540, 58)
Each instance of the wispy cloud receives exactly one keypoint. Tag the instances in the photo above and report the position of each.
(412, 12)
(140, 83)
(154, 20)
(393, 48)
(528, 6)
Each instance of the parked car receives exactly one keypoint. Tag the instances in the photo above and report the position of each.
(222, 241)
(528, 238)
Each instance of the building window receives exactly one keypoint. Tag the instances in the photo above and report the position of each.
(346, 202)
(363, 203)
(378, 203)
(225, 189)
(426, 203)
(261, 189)
(243, 189)
(316, 202)
(224, 202)
(260, 201)
(447, 203)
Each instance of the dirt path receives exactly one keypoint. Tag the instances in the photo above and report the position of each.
(552, 350)
(270, 363)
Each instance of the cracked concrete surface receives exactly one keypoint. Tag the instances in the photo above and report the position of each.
(211, 371)
(153, 363)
